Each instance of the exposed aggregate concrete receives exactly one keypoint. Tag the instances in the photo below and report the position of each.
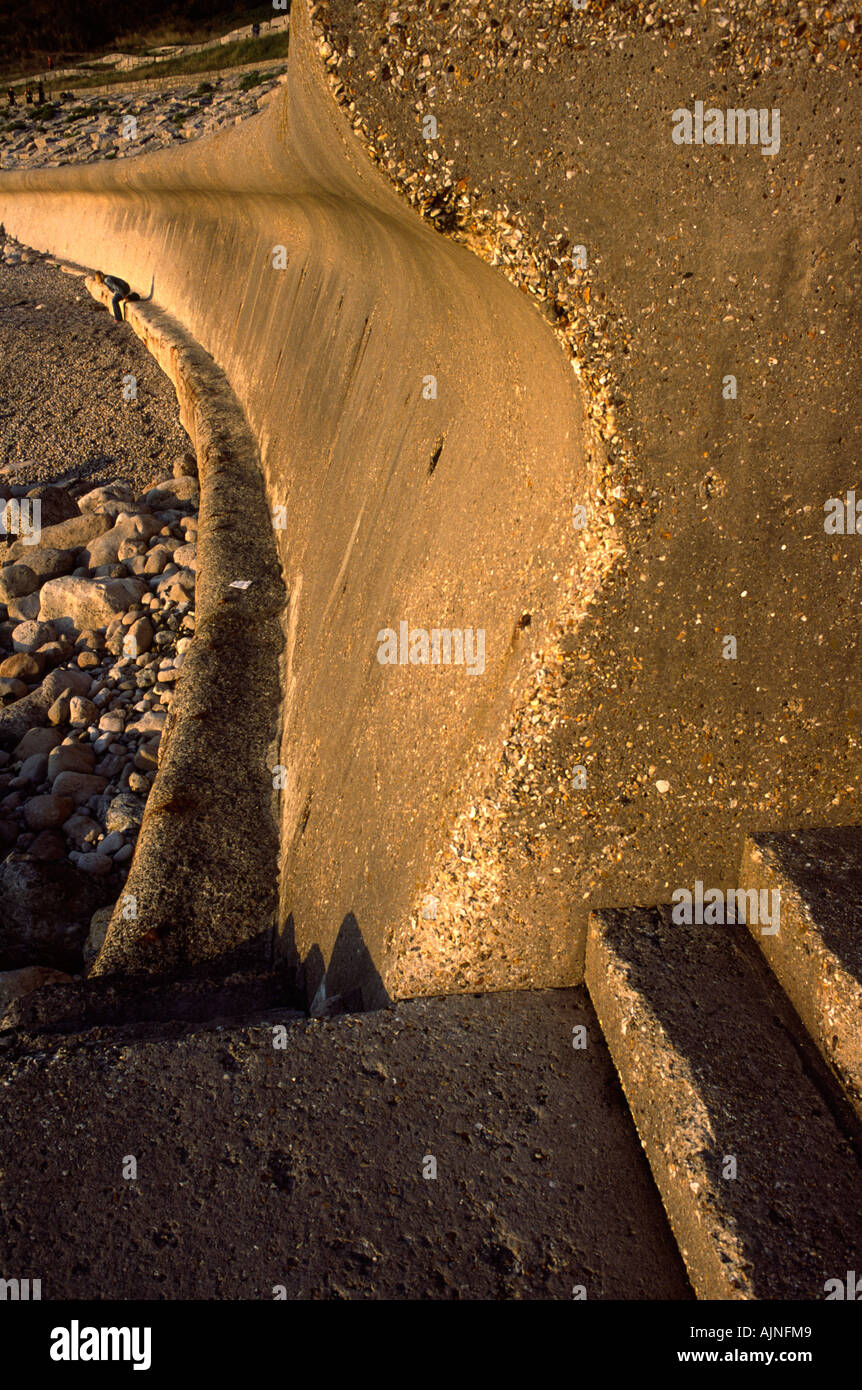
(554, 131)
(286, 1158)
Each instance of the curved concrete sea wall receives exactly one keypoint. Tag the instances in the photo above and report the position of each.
(420, 440)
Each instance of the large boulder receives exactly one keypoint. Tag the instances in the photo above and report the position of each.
(23, 609)
(66, 535)
(105, 549)
(24, 518)
(17, 581)
(94, 500)
(173, 493)
(69, 678)
(47, 562)
(29, 636)
(16, 719)
(31, 712)
(74, 604)
(23, 666)
(55, 503)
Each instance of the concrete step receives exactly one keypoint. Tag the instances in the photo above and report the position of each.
(817, 952)
(716, 1084)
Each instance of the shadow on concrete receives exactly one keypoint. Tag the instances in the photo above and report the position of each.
(350, 984)
(251, 978)
(242, 982)
(727, 1026)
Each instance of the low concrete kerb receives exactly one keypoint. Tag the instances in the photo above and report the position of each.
(202, 887)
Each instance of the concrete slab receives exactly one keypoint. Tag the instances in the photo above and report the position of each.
(817, 952)
(761, 1188)
(307, 1168)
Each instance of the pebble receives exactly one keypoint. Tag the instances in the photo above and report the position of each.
(48, 811)
(125, 812)
(107, 632)
(59, 711)
(81, 829)
(97, 864)
(111, 843)
(82, 711)
(139, 638)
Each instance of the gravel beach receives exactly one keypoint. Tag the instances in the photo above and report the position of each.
(62, 363)
(96, 609)
(91, 127)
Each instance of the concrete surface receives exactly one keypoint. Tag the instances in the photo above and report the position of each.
(701, 262)
(451, 512)
(712, 1076)
(301, 1169)
(203, 882)
(817, 952)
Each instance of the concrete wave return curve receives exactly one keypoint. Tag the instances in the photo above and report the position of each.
(305, 389)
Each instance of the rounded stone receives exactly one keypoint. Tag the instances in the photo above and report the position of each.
(29, 636)
(48, 812)
(23, 666)
(16, 581)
